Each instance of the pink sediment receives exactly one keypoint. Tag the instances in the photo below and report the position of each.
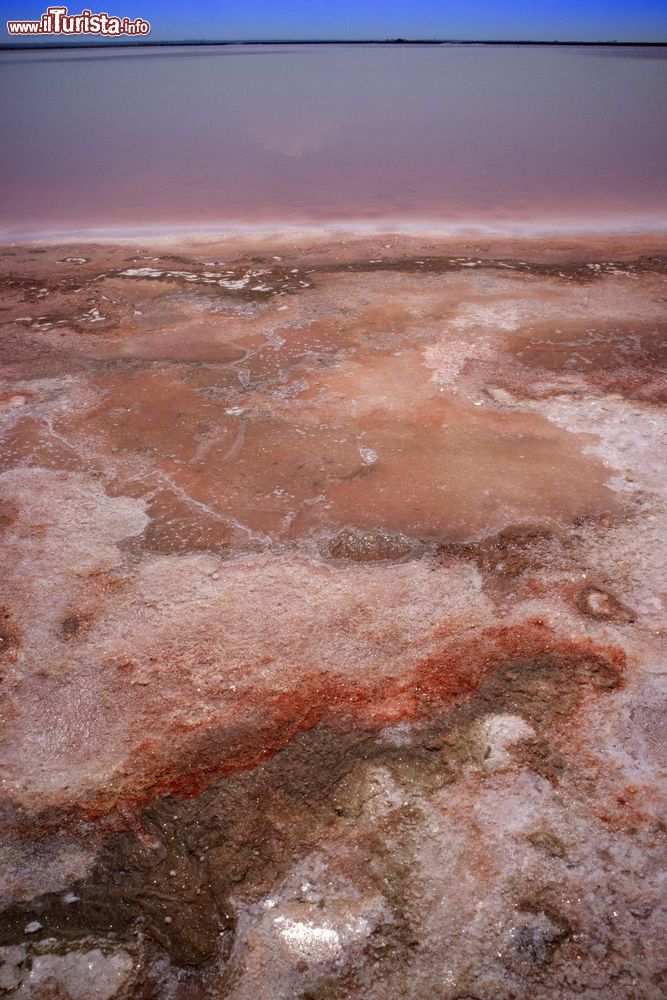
(253, 494)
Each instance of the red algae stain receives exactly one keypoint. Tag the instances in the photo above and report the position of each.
(184, 760)
(183, 857)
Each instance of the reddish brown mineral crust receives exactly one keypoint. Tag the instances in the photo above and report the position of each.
(332, 622)
(437, 685)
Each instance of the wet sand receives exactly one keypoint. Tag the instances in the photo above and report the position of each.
(333, 617)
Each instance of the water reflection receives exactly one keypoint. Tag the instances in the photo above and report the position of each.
(493, 137)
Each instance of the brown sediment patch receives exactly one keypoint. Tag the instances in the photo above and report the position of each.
(568, 269)
(258, 280)
(598, 603)
(548, 843)
(505, 555)
(34, 288)
(630, 359)
(240, 281)
(243, 831)
(585, 348)
(81, 320)
(526, 660)
(8, 513)
(10, 637)
(536, 944)
(75, 625)
(369, 546)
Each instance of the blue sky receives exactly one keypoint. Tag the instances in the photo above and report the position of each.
(540, 19)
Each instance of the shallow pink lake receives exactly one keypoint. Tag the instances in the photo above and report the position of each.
(504, 138)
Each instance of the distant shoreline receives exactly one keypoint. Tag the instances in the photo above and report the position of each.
(175, 234)
(4, 46)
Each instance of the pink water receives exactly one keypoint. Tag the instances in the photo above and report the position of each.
(501, 138)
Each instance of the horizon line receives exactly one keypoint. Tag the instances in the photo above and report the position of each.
(146, 43)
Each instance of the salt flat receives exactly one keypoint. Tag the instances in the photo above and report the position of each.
(333, 617)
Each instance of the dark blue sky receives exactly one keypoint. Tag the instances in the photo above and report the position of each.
(540, 19)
